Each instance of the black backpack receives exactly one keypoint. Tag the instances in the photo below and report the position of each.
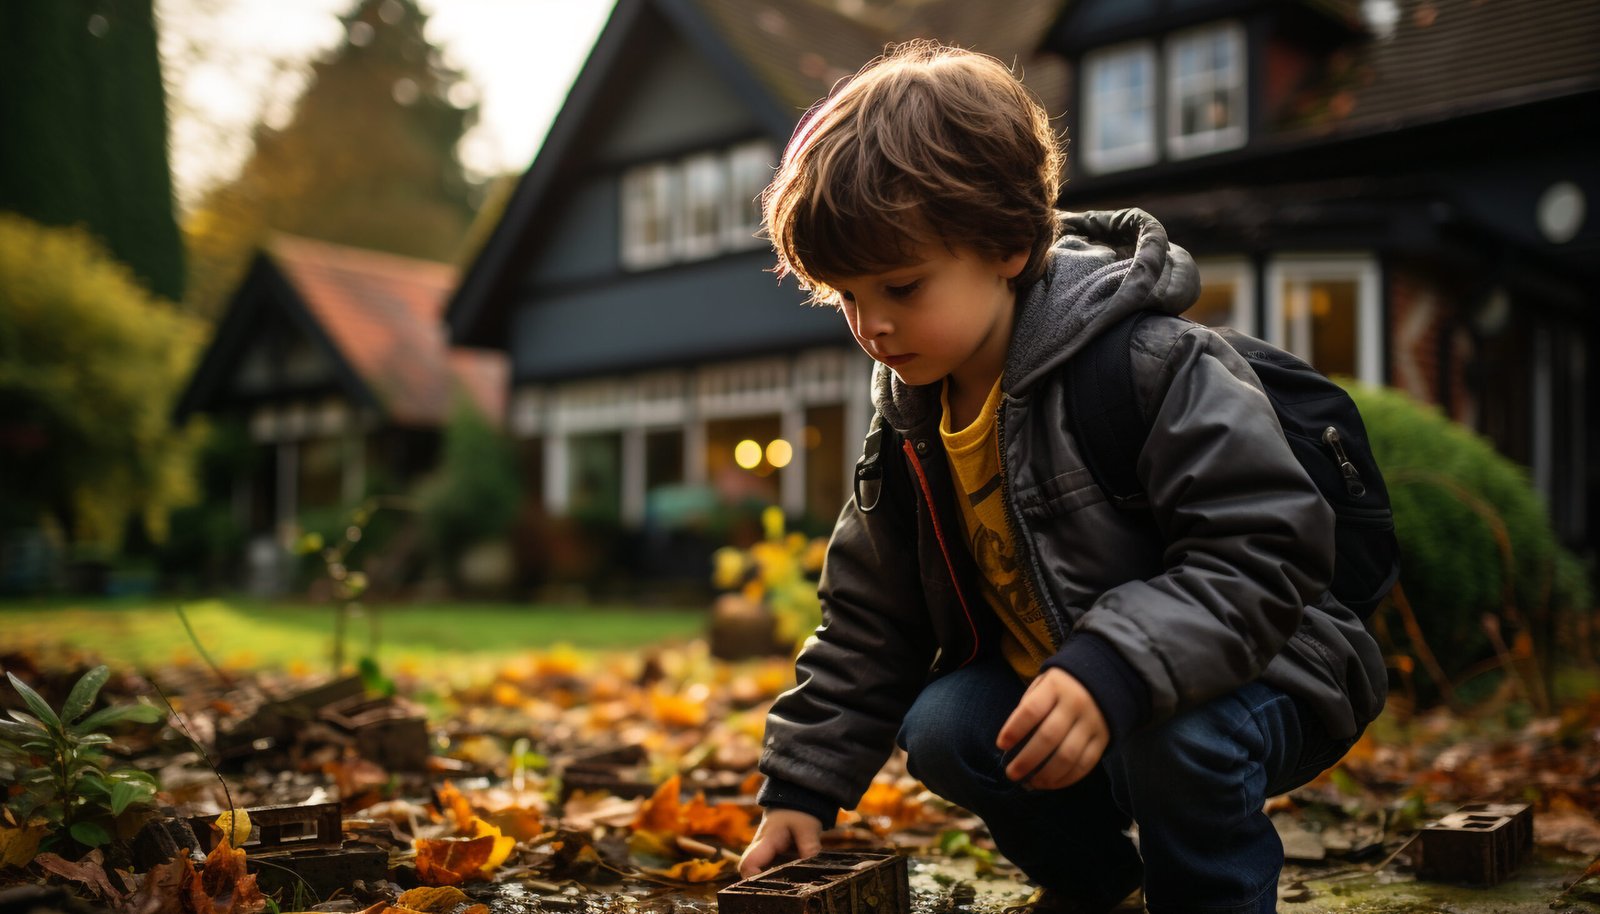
(1319, 419)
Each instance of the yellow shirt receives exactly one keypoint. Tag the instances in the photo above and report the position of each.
(975, 469)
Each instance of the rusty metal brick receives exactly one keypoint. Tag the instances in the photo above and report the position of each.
(622, 772)
(389, 731)
(1478, 845)
(280, 828)
(829, 883)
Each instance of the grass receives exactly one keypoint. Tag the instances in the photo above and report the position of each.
(244, 633)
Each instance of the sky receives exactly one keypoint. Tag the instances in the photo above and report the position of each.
(229, 62)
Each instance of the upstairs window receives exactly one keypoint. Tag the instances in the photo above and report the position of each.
(749, 172)
(647, 200)
(694, 208)
(1206, 90)
(1120, 107)
(705, 188)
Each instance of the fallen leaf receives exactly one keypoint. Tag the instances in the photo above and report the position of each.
(692, 871)
(432, 899)
(455, 805)
(728, 822)
(228, 884)
(19, 845)
(87, 872)
(503, 844)
(451, 861)
(660, 813)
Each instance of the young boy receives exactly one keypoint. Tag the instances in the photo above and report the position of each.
(1056, 664)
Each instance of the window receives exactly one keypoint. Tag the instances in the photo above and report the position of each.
(1227, 295)
(749, 172)
(705, 184)
(647, 216)
(1205, 90)
(1325, 309)
(696, 208)
(1121, 107)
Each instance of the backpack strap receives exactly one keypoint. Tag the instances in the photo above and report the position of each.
(869, 466)
(1103, 410)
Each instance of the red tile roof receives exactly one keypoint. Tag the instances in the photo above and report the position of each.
(385, 315)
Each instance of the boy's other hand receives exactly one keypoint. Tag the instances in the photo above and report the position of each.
(781, 830)
(1068, 732)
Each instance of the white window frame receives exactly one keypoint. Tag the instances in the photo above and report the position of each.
(1095, 102)
(1179, 85)
(703, 178)
(750, 168)
(1307, 268)
(1242, 274)
(648, 194)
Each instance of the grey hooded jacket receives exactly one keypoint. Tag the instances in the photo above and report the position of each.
(1224, 580)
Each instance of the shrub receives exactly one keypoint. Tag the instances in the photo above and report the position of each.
(476, 493)
(1475, 537)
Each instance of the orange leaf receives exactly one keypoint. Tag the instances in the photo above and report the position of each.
(502, 843)
(661, 813)
(726, 821)
(451, 801)
(693, 871)
(227, 884)
(450, 861)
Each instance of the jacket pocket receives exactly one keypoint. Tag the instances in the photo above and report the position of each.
(1060, 495)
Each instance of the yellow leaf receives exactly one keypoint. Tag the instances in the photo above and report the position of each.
(18, 846)
(660, 813)
(502, 843)
(235, 825)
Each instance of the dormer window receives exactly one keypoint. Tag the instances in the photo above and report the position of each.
(1176, 97)
(1120, 107)
(1205, 90)
(694, 208)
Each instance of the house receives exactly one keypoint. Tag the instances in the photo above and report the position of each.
(1395, 189)
(335, 361)
(653, 354)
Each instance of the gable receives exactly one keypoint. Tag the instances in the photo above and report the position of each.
(677, 103)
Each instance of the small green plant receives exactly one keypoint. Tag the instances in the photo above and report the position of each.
(61, 767)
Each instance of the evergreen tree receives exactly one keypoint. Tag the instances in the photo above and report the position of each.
(83, 114)
(368, 158)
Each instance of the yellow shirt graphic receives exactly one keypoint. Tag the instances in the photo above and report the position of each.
(975, 469)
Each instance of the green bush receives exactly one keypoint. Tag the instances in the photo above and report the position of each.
(475, 494)
(1475, 537)
(90, 367)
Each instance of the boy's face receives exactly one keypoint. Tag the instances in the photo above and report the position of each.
(947, 312)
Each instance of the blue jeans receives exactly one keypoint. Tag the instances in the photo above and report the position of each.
(1195, 783)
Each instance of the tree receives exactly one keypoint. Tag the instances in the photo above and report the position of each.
(84, 116)
(368, 158)
(90, 367)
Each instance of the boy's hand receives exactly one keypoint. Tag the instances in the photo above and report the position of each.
(1069, 732)
(779, 831)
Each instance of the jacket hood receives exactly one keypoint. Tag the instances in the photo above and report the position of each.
(1107, 265)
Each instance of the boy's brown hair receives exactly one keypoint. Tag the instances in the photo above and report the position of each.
(928, 142)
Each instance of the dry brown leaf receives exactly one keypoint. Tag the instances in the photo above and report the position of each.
(19, 845)
(87, 872)
(431, 899)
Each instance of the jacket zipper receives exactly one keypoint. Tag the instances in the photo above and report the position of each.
(1030, 576)
(1352, 476)
(944, 548)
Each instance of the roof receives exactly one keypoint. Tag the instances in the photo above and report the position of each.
(380, 317)
(781, 55)
(1437, 59)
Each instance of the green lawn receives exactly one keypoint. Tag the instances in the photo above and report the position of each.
(247, 633)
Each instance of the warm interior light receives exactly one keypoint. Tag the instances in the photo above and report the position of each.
(747, 454)
(779, 452)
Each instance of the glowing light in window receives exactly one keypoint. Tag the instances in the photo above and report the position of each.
(779, 452)
(747, 454)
